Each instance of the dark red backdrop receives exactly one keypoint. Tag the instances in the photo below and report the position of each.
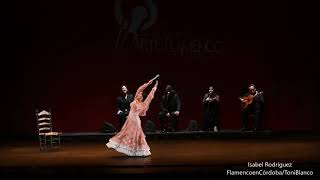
(63, 56)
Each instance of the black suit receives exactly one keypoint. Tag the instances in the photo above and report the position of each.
(170, 103)
(123, 107)
(255, 109)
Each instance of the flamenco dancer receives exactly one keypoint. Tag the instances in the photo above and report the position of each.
(131, 140)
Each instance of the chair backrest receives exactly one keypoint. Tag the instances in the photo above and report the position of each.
(108, 127)
(193, 126)
(149, 126)
(44, 121)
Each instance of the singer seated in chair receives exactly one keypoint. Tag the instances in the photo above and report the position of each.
(252, 104)
(123, 105)
(170, 110)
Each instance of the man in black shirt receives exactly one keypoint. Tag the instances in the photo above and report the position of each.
(170, 110)
(123, 105)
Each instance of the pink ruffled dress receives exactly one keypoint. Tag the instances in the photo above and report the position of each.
(131, 140)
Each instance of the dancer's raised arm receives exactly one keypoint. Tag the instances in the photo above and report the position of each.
(141, 89)
(148, 100)
(151, 94)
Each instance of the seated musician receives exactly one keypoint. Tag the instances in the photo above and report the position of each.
(123, 105)
(170, 110)
(252, 104)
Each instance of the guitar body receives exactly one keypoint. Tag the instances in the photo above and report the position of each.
(247, 100)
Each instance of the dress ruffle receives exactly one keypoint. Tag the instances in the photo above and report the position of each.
(128, 151)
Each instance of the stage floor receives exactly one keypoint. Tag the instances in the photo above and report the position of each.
(186, 156)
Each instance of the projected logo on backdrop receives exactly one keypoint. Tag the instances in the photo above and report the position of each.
(135, 17)
(133, 20)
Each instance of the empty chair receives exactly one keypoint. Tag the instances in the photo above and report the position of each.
(47, 137)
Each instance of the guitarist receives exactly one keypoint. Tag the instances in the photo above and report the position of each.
(252, 104)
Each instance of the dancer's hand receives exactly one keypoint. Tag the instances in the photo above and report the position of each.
(119, 112)
(150, 82)
(156, 85)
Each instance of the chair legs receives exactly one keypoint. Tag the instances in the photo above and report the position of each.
(49, 143)
(59, 142)
(42, 143)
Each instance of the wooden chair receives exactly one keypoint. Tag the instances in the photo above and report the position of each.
(47, 137)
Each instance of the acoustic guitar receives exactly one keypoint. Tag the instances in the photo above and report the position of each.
(247, 100)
